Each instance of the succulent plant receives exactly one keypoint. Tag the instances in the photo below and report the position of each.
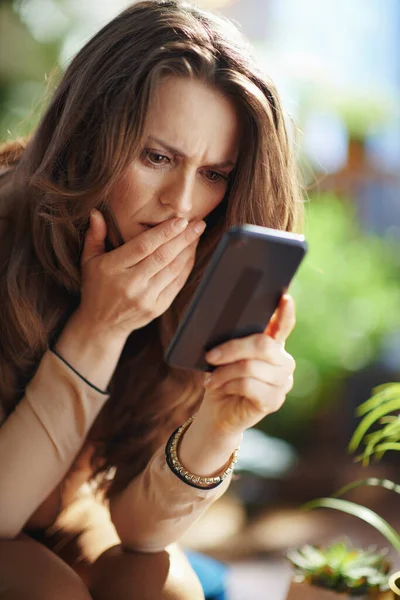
(341, 568)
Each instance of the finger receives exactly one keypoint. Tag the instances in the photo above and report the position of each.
(283, 320)
(256, 346)
(264, 397)
(163, 256)
(288, 385)
(276, 376)
(94, 237)
(272, 326)
(145, 243)
(167, 235)
(168, 295)
(169, 274)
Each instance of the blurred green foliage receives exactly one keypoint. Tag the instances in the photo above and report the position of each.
(348, 296)
(25, 67)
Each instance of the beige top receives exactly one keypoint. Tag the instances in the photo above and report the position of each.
(45, 436)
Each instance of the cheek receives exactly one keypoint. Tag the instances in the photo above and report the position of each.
(131, 193)
(210, 200)
(126, 200)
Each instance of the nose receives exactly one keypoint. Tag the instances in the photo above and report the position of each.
(179, 193)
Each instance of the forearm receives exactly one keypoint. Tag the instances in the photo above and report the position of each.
(157, 508)
(43, 435)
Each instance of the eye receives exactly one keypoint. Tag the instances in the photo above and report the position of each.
(155, 158)
(215, 177)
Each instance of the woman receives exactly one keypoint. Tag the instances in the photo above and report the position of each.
(161, 125)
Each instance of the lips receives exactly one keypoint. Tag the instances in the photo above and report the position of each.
(151, 225)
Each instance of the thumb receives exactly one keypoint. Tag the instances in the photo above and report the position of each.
(283, 320)
(95, 237)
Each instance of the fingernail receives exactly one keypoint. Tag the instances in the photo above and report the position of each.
(199, 227)
(180, 224)
(213, 354)
(207, 379)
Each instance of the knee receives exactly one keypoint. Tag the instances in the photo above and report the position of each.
(187, 587)
(167, 575)
(29, 571)
(182, 582)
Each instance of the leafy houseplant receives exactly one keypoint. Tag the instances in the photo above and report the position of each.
(384, 401)
(382, 407)
(355, 571)
(348, 571)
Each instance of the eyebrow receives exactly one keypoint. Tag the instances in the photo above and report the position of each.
(221, 165)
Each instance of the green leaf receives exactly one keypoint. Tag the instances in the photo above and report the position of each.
(336, 554)
(313, 555)
(390, 419)
(380, 449)
(381, 395)
(374, 447)
(369, 420)
(386, 386)
(371, 481)
(365, 571)
(362, 512)
(306, 560)
(371, 558)
(392, 427)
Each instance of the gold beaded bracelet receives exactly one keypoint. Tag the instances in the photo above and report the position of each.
(202, 483)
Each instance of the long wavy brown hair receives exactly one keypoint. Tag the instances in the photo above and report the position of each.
(91, 131)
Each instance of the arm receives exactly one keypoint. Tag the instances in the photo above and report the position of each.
(122, 290)
(157, 508)
(251, 380)
(41, 438)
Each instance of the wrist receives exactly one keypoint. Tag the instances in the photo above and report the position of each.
(92, 351)
(95, 333)
(205, 448)
(208, 482)
(208, 421)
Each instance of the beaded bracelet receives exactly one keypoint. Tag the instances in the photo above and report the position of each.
(201, 483)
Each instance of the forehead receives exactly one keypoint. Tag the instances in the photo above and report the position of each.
(195, 118)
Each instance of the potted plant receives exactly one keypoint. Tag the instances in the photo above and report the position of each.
(339, 571)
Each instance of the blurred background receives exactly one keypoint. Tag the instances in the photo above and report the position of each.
(337, 67)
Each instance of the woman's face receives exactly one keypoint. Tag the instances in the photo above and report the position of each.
(190, 150)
